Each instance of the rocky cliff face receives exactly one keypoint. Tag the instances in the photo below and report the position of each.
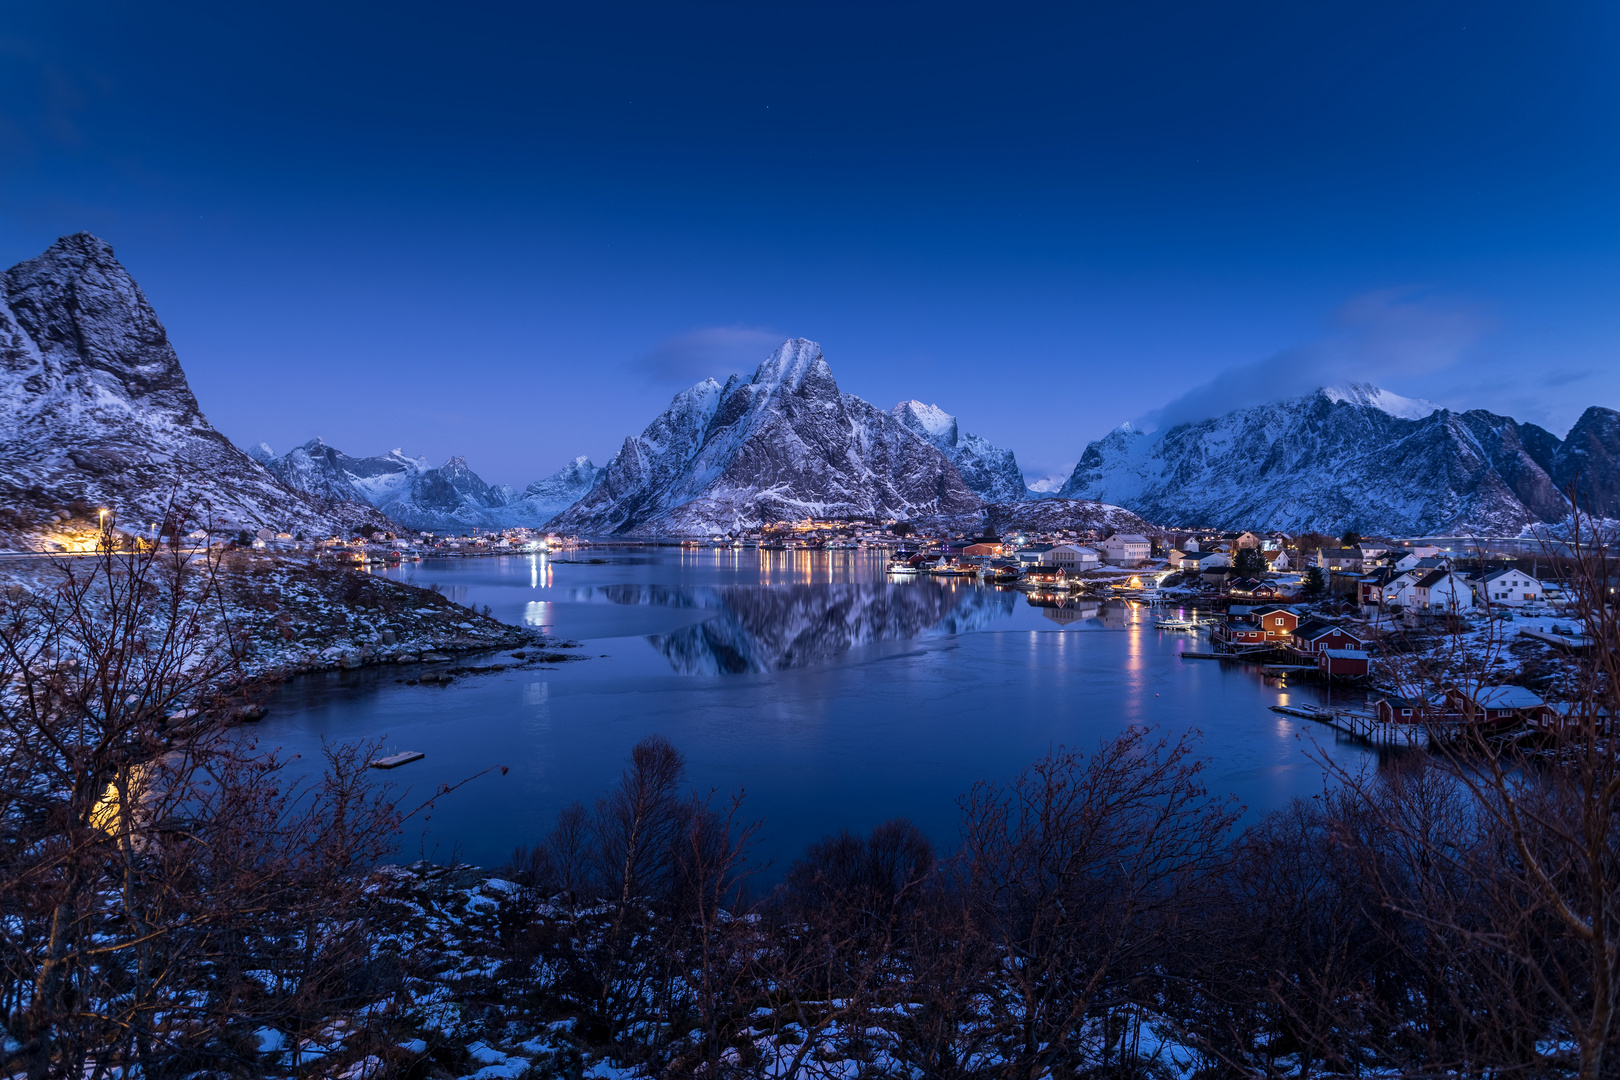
(1336, 460)
(450, 498)
(1589, 458)
(989, 471)
(785, 444)
(95, 411)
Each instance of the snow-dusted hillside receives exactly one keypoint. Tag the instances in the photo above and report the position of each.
(991, 472)
(450, 498)
(1354, 457)
(785, 444)
(95, 410)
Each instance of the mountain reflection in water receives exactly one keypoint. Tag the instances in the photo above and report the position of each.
(779, 627)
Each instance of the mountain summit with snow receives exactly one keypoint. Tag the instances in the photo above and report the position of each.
(990, 471)
(1359, 393)
(95, 410)
(1355, 457)
(785, 444)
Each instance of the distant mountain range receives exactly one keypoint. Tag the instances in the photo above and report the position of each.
(95, 411)
(1356, 457)
(450, 498)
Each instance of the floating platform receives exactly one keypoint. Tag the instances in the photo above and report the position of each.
(394, 761)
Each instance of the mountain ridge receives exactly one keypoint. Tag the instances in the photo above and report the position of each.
(1370, 461)
(451, 497)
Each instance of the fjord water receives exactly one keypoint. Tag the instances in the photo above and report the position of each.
(833, 695)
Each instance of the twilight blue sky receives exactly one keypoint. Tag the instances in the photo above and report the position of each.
(514, 230)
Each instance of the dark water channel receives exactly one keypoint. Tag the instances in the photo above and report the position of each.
(834, 695)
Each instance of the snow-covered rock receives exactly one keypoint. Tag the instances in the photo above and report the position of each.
(991, 472)
(1346, 458)
(784, 445)
(94, 406)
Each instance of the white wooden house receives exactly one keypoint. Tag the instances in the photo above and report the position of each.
(1441, 592)
(1126, 549)
(1507, 588)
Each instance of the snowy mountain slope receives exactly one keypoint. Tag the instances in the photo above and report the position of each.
(450, 498)
(991, 472)
(96, 409)
(1333, 460)
(785, 444)
(549, 497)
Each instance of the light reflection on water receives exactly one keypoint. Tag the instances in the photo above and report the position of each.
(835, 695)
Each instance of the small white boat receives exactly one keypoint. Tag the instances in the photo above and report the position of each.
(1175, 624)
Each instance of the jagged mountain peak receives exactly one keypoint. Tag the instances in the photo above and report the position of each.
(1363, 393)
(929, 421)
(991, 472)
(793, 361)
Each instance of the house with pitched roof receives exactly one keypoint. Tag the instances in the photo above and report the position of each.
(1506, 588)
(1499, 704)
(1441, 592)
(1317, 636)
(1126, 549)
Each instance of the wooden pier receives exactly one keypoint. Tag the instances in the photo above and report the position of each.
(1362, 726)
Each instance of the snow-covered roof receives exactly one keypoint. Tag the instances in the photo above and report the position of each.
(1494, 574)
(1504, 697)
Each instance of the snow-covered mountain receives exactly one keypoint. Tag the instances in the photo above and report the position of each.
(563, 488)
(95, 410)
(783, 445)
(450, 498)
(991, 472)
(1354, 457)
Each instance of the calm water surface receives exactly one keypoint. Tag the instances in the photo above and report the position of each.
(832, 694)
